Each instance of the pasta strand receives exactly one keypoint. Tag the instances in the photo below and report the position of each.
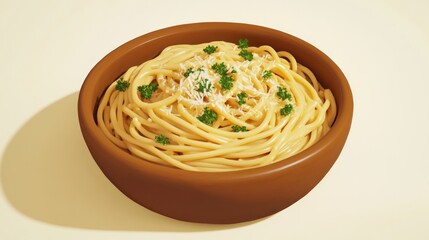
(216, 111)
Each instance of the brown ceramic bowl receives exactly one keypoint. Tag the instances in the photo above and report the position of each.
(226, 197)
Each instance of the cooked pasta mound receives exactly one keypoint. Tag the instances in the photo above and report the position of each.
(216, 106)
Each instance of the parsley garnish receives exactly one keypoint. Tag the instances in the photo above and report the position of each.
(188, 72)
(267, 74)
(147, 90)
(226, 82)
(204, 86)
(162, 139)
(220, 68)
(283, 94)
(243, 43)
(246, 55)
(208, 117)
(236, 128)
(286, 110)
(122, 85)
(210, 49)
(241, 98)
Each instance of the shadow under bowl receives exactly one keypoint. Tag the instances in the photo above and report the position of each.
(225, 197)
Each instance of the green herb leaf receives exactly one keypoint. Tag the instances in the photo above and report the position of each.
(220, 68)
(147, 90)
(162, 139)
(199, 70)
(283, 94)
(210, 49)
(237, 128)
(188, 72)
(246, 55)
(241, 98)
(204, 86)
(122, 85)
(243, 43)
(226, 82)
(286, 110)
(208, 117)
(267, 74)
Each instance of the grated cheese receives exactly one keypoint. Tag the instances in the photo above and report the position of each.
(246, 73)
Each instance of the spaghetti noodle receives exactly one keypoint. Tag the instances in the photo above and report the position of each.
(216, 106)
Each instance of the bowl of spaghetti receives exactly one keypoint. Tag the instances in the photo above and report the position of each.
(215, 122)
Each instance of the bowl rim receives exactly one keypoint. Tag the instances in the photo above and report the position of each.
(85, 112)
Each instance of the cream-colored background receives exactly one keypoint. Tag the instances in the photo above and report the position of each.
(52, 189)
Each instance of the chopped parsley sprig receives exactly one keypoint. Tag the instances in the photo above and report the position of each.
(241, 98)
(188, 72)
(220, 68)
(122, 85)
(243, 43)
(204, 86)
(226, 82)
(283, 94)
(146, 91)
(267, 74)
(286, 110)
(208, 117)
(210, 49)
(237, 128)
(246, 55)
(162, 139)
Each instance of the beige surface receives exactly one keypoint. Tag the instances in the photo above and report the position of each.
(52, 189)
